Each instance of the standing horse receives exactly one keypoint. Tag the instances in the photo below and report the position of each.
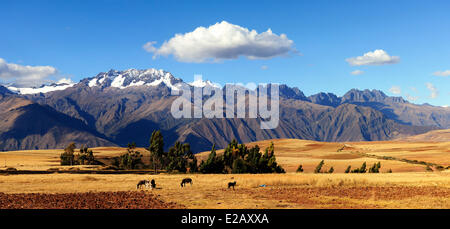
(142, 182)
(185, 181)
(231, 184)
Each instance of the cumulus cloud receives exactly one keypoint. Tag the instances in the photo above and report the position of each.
(395, 90)
(223, 41)
(25, 76)
(442, 73)
(149, 46)
(377, 57)
(357, 72)
(434, 91)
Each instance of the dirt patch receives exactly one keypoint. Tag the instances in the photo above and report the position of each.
(348, 197)
(89, 200)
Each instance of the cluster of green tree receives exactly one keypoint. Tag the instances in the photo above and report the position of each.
(363, 169)
(238, 158)
(84, 157)
(318, 168)
(132, 159)
(179, 158)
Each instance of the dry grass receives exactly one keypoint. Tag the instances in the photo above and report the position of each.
(409, 186)
(292, 190)
(292, 152)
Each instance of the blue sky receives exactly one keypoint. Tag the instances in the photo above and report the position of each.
(82, 38)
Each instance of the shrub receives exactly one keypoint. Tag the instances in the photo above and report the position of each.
(375, 168)
(331, 170)
(67, 158)
(348, 169)
(318, 168)
(132, 159)
(193, 167)
(363, 168)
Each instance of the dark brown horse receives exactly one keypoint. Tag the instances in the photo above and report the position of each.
(231, 184)
(185, 181)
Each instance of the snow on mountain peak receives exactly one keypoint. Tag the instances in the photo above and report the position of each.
(58, 86)
(133, 77)
(119, 79)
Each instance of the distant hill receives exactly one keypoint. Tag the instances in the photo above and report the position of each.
(28, 125)
(432, 136)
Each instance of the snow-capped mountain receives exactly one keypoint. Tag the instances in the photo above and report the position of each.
(58, 86)
(204, 83)
(133, 77)
(117, 79)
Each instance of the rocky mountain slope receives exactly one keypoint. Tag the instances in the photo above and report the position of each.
(126, 106)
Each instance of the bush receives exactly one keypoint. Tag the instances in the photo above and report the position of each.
(318, 168)
(132, 159)
(214, 164)
(331, 170)
(363, 168)
(348, 169)
(239, 166)
(375, 168)
(85, 157)
(67, 158)
(178, 157)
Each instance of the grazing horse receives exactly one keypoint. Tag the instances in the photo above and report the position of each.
(153, 184)
(231, 184)
(186, 180)
(142, 182)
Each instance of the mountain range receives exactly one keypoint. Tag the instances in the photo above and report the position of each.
(118, 107)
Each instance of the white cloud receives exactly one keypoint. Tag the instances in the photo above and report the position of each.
(434, 92)
(357, 72)
(264, 67)
(22, 75)
(411, 98)
(442, 73)
(377, 57)
(395, 90)
(149, 46)
(223, 41)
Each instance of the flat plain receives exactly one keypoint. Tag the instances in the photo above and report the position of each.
(410, 185)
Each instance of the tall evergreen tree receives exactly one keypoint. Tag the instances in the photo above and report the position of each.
(156, 148)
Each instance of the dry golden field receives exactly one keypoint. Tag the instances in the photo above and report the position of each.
(291, 153)
(409, 186)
